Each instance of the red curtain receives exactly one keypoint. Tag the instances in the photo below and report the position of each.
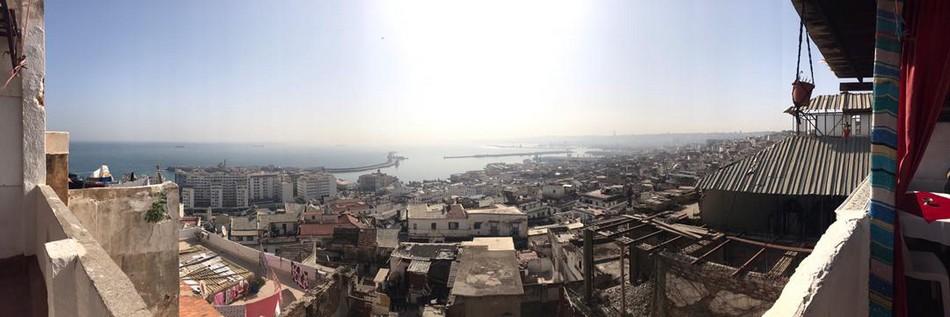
(925, 85)
(925, 82)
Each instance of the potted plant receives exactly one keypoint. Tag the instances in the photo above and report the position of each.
(801, 91)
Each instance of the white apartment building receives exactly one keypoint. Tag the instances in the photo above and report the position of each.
(316, 186)
(608, 199)
(188, 197)
(264, 187)
(556, 191)
(215, 189)
(440, 222)
(375, 182)
(535, 209)
(286, 191)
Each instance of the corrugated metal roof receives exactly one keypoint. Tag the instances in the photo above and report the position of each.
(845, 102)
(419, 266)
(798, 165)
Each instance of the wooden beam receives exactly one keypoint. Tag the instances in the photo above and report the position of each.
(769, 245)
(748, 262)
(628, 241)
(624, 231)
(855, 86)
(701, 257)
(610, 223)
(663, 244)
(588, 266)
(623, 285)
(607, 259)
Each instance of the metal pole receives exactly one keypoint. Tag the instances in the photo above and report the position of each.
(623, 283)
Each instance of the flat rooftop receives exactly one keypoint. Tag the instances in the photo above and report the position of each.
(599, 194)
(497, 209)
(435, 211)
(487, 273)
(425, 211)
(492, 243)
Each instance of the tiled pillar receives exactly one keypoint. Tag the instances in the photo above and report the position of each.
(884, 158)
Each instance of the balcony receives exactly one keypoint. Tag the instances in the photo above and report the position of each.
(79, 276)
(96, 255)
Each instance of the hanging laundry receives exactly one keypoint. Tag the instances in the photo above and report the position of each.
(219, 298)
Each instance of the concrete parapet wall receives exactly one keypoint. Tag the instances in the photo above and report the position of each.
(833, 279)
(57, 163)
(251, 255)
(81, 278)
(147, 252)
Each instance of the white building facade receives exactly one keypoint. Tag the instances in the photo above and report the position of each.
(316, 186)
(437, 222)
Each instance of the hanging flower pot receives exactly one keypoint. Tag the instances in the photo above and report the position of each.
(802, 87)
(801, 92)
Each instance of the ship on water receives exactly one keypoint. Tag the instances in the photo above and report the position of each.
(101, 177)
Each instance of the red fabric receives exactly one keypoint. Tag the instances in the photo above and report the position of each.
(263, 308)
(924, 87)
(925, 82)
(932, 206)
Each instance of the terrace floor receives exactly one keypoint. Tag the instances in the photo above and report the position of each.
(22, 289)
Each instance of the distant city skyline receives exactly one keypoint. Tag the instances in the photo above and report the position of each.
(378, 73)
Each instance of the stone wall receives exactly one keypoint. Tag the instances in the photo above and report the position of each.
(331, 301)
(79, 275)
(147, 252)
(708, 289)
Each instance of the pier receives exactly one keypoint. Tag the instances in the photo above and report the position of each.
(507, 154)
(391, 160)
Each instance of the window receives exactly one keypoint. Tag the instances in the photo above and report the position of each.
(453, 226)
(415, 226)
(477, 225)
(433, 226)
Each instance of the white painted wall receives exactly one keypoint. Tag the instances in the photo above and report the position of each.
(22, 138)
(860, 124)
(833, 279)
(932, 173)
(506, 225)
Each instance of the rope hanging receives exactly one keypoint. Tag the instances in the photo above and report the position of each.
(801, 33)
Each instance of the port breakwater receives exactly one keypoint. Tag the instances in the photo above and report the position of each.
(507, 154)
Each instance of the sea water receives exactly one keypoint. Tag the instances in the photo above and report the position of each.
(425, 162)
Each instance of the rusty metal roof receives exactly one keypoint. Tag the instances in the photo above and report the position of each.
(798, 165)
(844, 102)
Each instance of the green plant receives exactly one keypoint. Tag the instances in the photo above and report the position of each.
(157, 213)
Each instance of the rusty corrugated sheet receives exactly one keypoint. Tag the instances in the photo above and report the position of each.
(798, 165)
(845, 102)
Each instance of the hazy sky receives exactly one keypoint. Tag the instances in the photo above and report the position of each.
(398, 72)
